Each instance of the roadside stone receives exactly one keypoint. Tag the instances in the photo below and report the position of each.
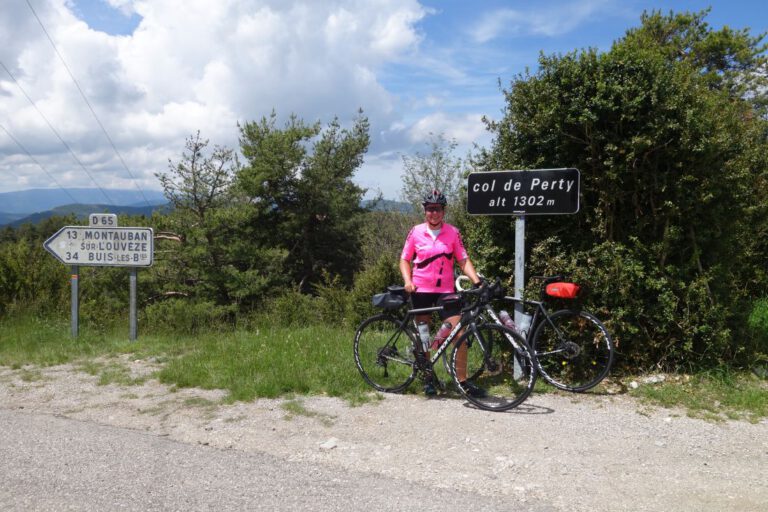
(654, 379)
(330, 444)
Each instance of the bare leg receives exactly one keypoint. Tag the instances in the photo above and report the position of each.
(461, 353)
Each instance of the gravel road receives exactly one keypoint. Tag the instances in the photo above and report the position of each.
(556, 452)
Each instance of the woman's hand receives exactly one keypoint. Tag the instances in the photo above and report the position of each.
(405, 271)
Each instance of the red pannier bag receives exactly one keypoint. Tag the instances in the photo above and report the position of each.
(563, 290)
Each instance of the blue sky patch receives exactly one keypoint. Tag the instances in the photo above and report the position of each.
(101, 16)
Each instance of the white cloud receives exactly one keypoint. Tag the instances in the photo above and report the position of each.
(463, 128)
(189, 65)
(381, 174)
(547, 21)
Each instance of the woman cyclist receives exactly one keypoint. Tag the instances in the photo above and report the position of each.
(426, 264)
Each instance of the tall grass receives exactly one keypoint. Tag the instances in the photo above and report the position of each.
(30, 339)
(270, 362)
(260, 362)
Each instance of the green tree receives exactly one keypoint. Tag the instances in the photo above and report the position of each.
(437, 169)
(383, 235)
(199, 183)
(206, 247)
(299, 183)
(668, 130)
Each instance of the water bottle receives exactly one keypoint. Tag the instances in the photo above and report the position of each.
(441, 334)
(423, 328)
(507, 320)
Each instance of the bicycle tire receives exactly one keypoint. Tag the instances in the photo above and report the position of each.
(573, 350)
(472, 373)
(384, 353)
(508, 373)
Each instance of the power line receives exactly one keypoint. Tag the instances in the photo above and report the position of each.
(98, 121)
(56, 133)
(74, 201)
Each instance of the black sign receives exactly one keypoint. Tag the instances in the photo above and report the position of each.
(534, 192)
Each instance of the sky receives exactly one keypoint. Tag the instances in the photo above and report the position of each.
(103, 93)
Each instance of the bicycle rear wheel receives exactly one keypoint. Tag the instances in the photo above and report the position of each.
(508, 374)
(384, 353)
(573, 350)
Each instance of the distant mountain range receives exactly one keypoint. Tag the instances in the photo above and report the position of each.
(386, 205)
(34, 205)
(26, 202)
(81, 211)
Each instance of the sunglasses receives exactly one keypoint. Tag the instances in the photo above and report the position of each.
(433, 209)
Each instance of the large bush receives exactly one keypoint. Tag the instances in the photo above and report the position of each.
(374, 279)
(30, 278)
(668, 130)
(641, 306)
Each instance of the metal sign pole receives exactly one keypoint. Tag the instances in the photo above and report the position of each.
(104, 244)
(132, 314)
(75, 303)
(520, 270)
(519, 282)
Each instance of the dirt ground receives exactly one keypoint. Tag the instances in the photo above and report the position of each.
(573, 452)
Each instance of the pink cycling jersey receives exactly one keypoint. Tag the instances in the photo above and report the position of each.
(433, 258)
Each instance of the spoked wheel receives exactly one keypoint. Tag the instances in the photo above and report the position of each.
(384, 353)
(573, 349)
(479, 365)
(499, 367)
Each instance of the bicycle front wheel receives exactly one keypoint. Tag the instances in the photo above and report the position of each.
(384, 353)
(573, 350)
(493, 367)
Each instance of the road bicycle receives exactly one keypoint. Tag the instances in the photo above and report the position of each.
(572, 349)
(390, 354)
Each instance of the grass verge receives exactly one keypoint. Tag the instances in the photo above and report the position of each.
(713, 395)
(272, 361)
(265, 362)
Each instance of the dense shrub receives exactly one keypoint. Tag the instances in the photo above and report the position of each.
(370, 281)
(185, 317)
(331, 300)
(292, 308)
(657, 323)
(31, 279)
(758, 326)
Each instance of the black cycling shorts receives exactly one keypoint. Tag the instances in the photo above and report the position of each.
(429, 300)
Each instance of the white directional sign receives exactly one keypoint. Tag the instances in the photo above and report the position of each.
(102, 246)
(102, 220)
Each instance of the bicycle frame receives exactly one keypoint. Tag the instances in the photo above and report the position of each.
(494, 372)
(542, 321)
(538, 310)
(466, 319)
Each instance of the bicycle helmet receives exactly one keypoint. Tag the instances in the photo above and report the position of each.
(434, 197)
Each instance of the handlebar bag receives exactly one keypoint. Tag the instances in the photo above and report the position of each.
(387, 300)
(563, 290)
